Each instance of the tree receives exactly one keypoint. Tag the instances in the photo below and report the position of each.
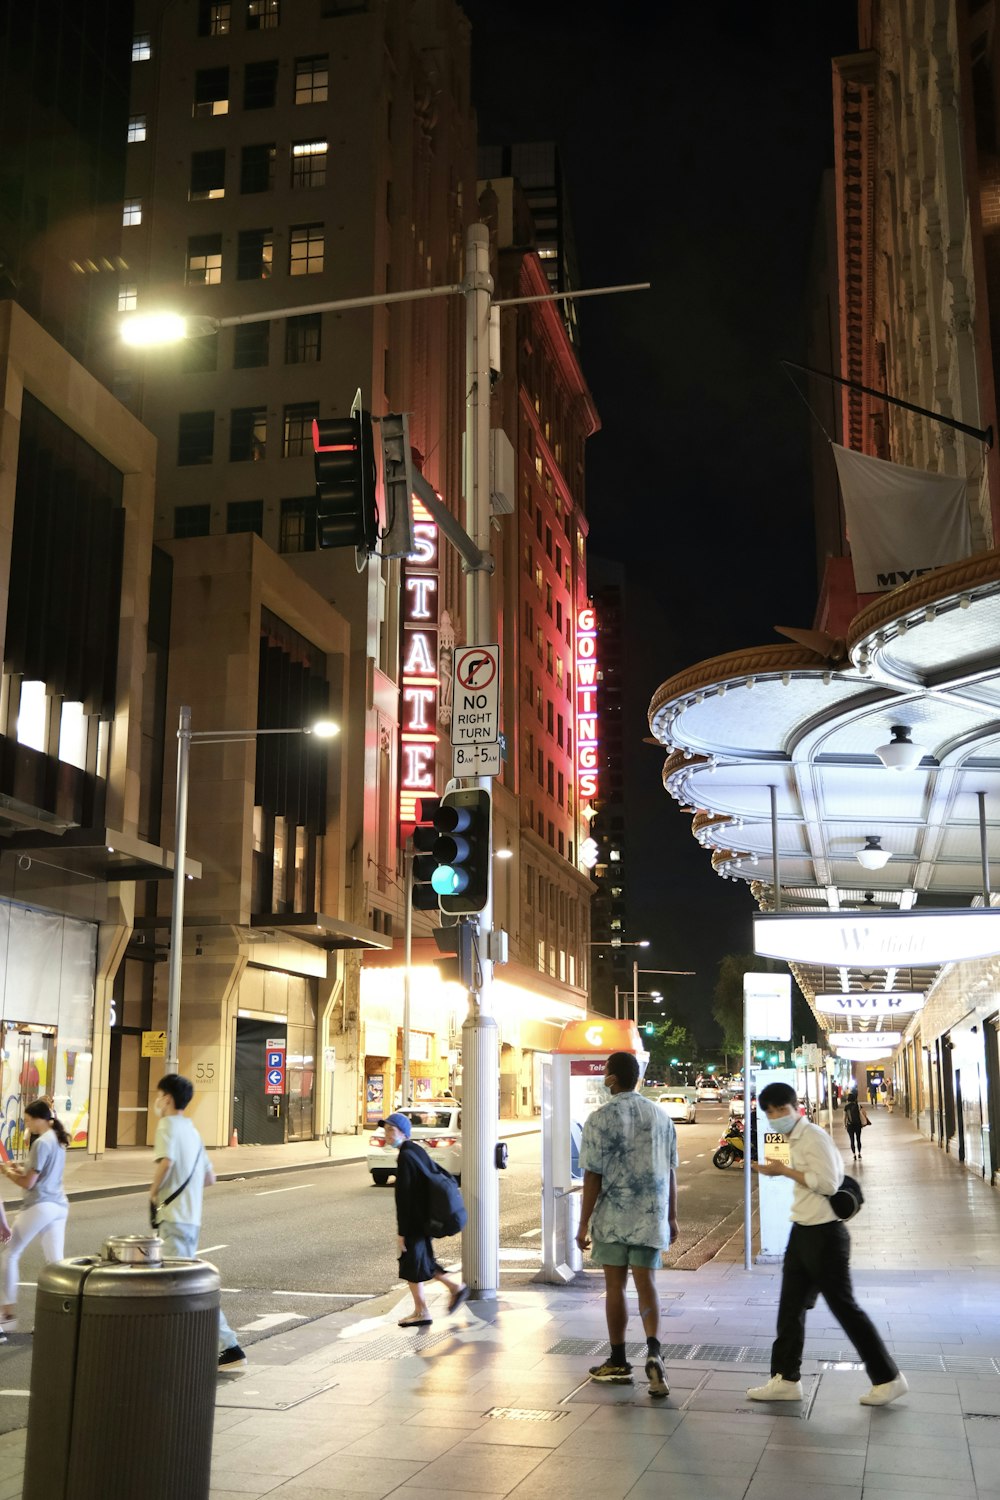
(727, 1001)
(668, 1040)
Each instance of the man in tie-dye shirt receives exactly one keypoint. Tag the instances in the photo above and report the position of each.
(629, 1158)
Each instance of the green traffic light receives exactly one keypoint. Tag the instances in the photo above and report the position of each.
(650, 1028)
(449, 881)
(674, 1061)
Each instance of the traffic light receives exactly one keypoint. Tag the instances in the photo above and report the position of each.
(397, 486)
(425, 836)
(344, 461)
(462, 851)
(457, 964)
(649, 1028)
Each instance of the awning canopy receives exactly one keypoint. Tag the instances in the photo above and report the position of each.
(107, 854)
(807, 722)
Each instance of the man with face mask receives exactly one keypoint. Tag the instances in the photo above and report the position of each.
(180, 1176)
(817, 1259)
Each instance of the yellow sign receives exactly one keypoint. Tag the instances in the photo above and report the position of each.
(776, 1148)
(154, 1044)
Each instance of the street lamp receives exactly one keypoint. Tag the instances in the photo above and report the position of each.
(636, 971)
(322, 729)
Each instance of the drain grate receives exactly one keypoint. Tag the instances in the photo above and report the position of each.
(523, 1414)
(389, 1346)
(981, 1416)
(831, 1356)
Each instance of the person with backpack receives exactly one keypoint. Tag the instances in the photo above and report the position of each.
(417, 1263)
(855, 1120)
(45, 1205)
(817, 1259)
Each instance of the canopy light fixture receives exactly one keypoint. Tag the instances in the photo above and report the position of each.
(873, 856)
(900, 754)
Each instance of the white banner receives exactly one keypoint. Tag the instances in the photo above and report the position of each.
(901, 522)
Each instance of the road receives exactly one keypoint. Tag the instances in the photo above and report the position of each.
(294, 1247)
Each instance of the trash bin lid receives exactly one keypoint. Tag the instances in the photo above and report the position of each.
(134, 1249)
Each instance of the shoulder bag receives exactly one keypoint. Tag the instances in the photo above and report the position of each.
(155, 1209)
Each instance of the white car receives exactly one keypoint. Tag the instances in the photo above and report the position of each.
(679, 1105)
(437, 1125)
(709, 1093)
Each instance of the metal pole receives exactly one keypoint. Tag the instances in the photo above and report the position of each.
(616, 1002)
(177, 902)
(748, 1128)
(480, 1035)
(775, 857)
(635, 991)
(407, 962)
(984, 852)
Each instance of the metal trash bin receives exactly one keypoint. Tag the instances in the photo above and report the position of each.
(123, 1377)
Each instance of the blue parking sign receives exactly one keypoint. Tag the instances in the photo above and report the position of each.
(275, 1059)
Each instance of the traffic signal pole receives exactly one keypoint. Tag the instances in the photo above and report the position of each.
(480, 1034)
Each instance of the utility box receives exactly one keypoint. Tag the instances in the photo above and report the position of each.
(123, 1377)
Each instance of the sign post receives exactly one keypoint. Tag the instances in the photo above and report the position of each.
(767, 1014)
(274, 1067)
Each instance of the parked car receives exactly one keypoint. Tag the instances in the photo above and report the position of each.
(679, 1105)
(437, 1125)
(708, 1093)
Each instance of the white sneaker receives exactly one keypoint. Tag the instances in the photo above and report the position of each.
(881, 1395)
(777, 1389)
(8, 1325)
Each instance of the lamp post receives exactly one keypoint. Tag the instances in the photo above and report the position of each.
(636, 971)
(323, 729)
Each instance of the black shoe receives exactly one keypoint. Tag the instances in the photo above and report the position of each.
(656, 1375)
(612, 1374)
(232, 1361)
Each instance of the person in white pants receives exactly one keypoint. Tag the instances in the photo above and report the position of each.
(45, 1203)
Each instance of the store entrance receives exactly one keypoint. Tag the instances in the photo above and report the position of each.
(27, 1072)
(259, 1118)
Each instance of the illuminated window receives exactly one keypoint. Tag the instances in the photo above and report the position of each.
(298, 422)
(141, 50)
(33, 715)
(262, 15)
(248, 434)
(312, 79)
(309, 164)
(303, 339)
(254, 254)
(73, 727)
(136, 128)
(204, 260)
(305, 249)
(214, 19)
(211, 93)
(128, 296)
(208, 175)
(132, 211)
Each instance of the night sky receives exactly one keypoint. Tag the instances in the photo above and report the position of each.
(693, 146)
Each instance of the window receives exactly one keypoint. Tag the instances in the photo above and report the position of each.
(254, 254)
(560, 730)
(551, 779)
(211, 92)
(260, 84)
(541, 769)
(128, 296)
(136, 128)
(262, 15)
(132, 211)
(141, 50)
(559, 671)
(303, 339)
(312, 79)
(200, 355)
(247, 434)
(257, 168)
(204, 260)
(548, 541)
(538, 523)
(250, 345)
(298, 428)
(309, 164)
(195, 440)
(549, 716)
(245, 515)
(192, 520)
(305, 249)
(298, 525)
(561, 791)
(208, 175)
(214, 19)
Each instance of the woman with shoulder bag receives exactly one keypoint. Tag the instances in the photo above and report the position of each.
(45, 1204)
(855, 1119)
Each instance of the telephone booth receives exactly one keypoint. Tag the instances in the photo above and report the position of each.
(573, 1086)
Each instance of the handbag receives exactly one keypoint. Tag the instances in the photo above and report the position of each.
(864, 1120)
(155, 1209)
(848, 1198)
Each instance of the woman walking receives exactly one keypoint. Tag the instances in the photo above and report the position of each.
(45, 1205)
(417, 1264)
(855, 1119)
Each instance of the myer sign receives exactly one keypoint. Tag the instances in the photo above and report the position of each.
(868, 1004)
(878, 940)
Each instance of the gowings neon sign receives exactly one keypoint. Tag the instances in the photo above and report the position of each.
(586, 705)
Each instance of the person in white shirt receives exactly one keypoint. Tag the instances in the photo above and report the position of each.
(818, 1259)
(180, 1175)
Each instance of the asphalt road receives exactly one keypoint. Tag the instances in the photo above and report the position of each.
(293, 1247)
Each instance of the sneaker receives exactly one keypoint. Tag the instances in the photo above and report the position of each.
(777, 1389)
(881, 1395)
(657, 1376)
(612, 1374)
(8, 1325)
(232, 1361)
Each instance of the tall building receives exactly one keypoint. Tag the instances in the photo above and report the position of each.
(611, 963)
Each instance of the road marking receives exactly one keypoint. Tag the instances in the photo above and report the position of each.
(231, 1291)
(359, 1296)
(520, 1254)
(530, 1234)
(269, 1192)
(27, 1283)
(686, 1162)
(15, 1393)
(700, 1155)
(207, 1249)
(271, 1320)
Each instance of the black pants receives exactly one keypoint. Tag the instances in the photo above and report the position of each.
(854, 1136)
(818, 1259)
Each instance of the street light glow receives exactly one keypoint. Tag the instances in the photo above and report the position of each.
(146, 330)
(324, 729)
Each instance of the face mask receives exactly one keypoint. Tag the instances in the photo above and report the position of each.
(785, 1124)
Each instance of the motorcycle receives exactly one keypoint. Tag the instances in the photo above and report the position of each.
(731, 1146)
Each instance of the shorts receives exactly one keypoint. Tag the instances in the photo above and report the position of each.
(614, 1253)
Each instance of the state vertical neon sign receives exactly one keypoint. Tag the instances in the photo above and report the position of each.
(586, 705)
(420, 686)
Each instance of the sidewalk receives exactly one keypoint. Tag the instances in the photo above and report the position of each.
(495, 1401)
(129, 1170)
